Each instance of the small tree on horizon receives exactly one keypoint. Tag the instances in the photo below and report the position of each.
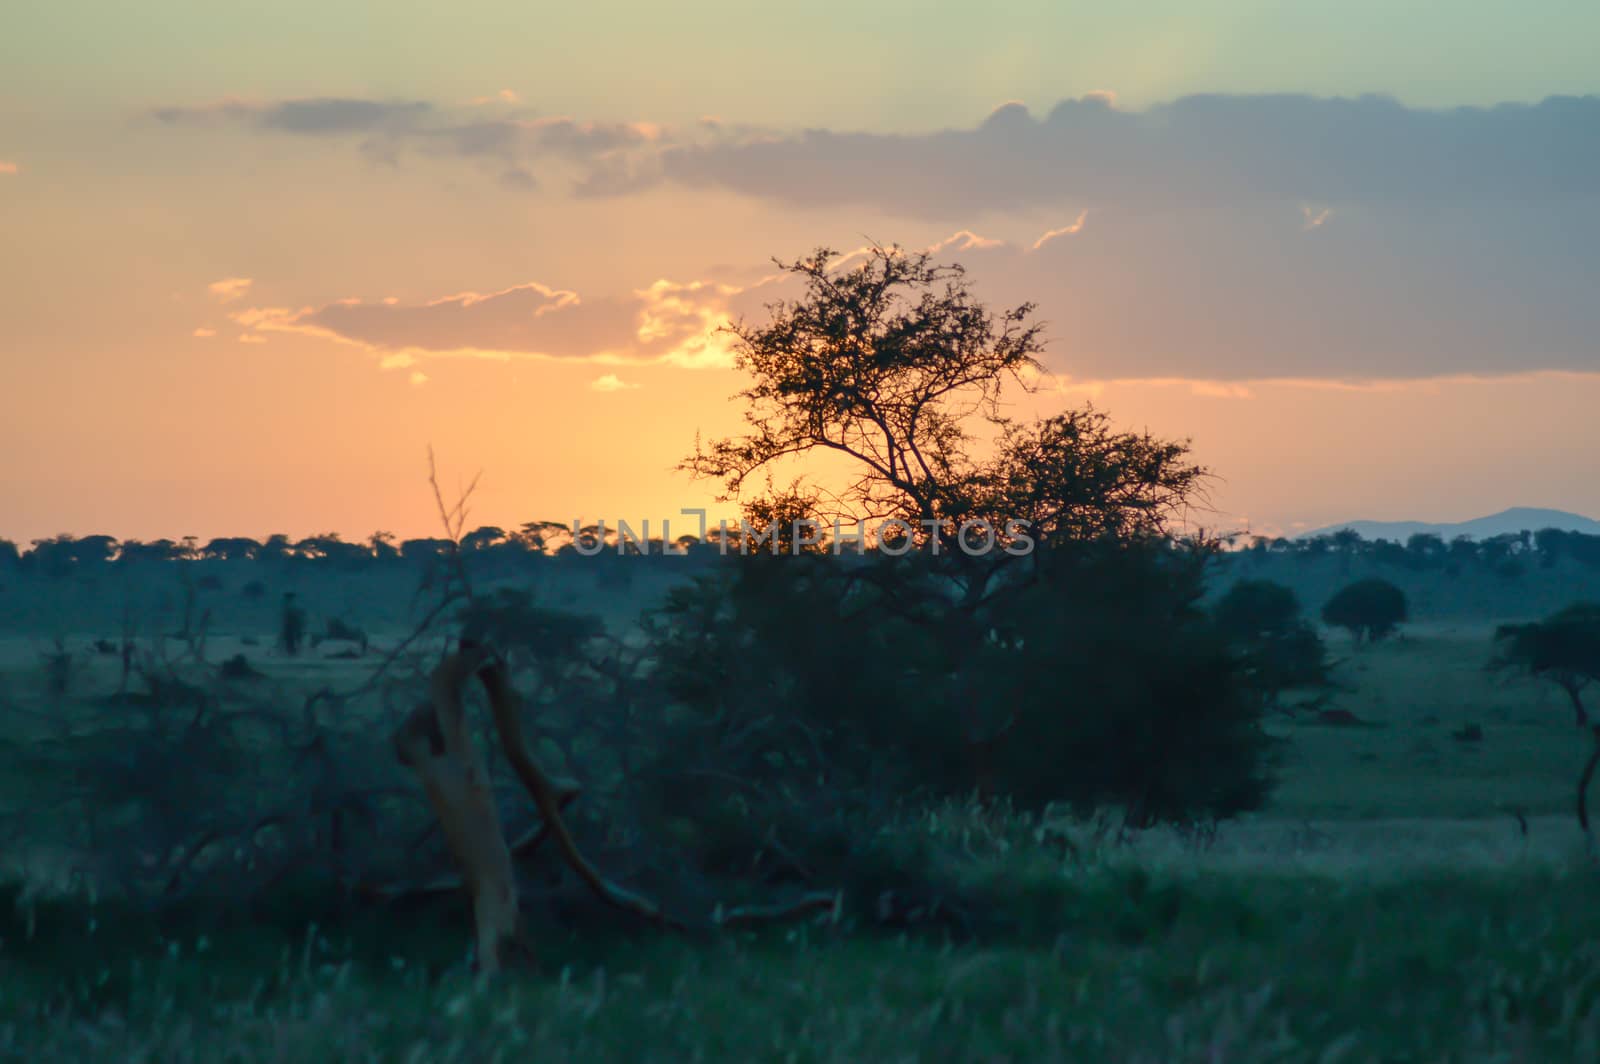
(1370, 610)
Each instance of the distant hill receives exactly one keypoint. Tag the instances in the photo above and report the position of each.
(1513, 520)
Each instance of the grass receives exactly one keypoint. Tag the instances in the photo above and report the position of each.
(1386, 907)
(1415, 692)
(1109, 963)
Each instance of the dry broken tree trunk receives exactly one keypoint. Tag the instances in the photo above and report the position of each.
(434, 742)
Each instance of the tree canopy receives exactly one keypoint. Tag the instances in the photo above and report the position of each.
(1369, 610)
(1563, 648)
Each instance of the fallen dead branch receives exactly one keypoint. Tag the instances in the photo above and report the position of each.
(435, 743)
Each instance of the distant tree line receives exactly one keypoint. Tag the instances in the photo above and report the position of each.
(1509, 554)
(63, 554)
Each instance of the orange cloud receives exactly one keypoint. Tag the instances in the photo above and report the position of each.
(503, 96)
(669, 322)
(611, 383)
(1066, 230)
(229, 288)
(9, 167)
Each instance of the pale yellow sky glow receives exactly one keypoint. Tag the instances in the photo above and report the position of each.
(249, 280)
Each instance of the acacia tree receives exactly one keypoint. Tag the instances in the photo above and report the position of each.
(1565, 649)
(891, 362)
(1369, 610)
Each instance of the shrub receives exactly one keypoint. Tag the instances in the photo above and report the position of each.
(1262, 620)
(1369, 610)
(1104, 685)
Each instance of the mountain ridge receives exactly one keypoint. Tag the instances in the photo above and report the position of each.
(1514, 519)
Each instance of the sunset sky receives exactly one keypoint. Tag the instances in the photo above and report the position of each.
(255, 258)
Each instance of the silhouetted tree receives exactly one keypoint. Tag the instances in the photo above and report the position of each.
(886, 363)
(230, 549)
(1387, 552)
(1263, 621)
(1564, 648)
(160, 550)
(483, 538)
(276, 547)
(381, 545)
(1426, 547)
(330, 547)
(1369, 609)
(544, 537)
(1347, 542)
(95, 550)
(1251, 609)
(54, 557)
(425, 550)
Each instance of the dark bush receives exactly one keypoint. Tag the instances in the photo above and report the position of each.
(1262, 621)
(1106, 684)
(1369, 610)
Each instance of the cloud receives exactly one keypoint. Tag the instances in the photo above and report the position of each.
(9, 169)
(1249, 293)
(669, 322)
(229, 288)
(1066, 230)
(1197, 151)
(1202, 151)
(1315, 219)
(611, 383)
(204, 333)
(503, 96)
(608, 157)
(1210, 298)
(316, 116)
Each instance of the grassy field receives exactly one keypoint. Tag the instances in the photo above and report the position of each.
(1389, 905)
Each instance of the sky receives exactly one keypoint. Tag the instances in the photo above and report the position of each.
(256, 259)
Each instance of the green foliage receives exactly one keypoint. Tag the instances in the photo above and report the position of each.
(1102, 683)
(1262, 620)
(1563, 648)
(1369, 609)
(1126, 693)
(1476, 966)
(512, 622)
(890, 362)
(1253, 609)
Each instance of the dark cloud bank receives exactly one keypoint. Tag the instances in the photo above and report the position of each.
(1196, 151)
(1226, 237)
